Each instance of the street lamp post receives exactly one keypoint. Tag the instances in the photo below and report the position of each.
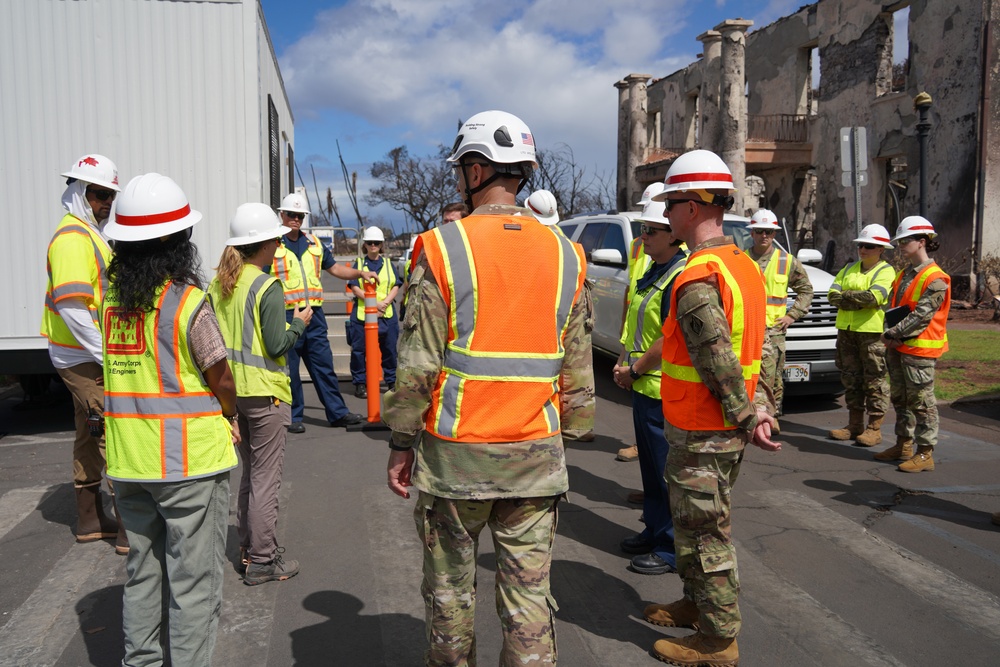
(922, 104)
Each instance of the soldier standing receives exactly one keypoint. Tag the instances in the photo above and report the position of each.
(712, 341)
(489, 397)
(859, 292)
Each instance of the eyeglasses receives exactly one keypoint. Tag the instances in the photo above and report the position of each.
(764, 232)
(101, 195)
(673, 202)
(868, 246)
(294, 216)
(649, 230)
(373, 243)
(904, 241)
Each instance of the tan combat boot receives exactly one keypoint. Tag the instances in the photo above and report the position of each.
(628, 454)
(854, 428)
(698, 649)
(901, 451)
(921, 461)
(681, 614)
(873, 434)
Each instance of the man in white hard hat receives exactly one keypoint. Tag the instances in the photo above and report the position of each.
(782, 273)
(298, 264)
(483, 399)
(712, 342)
(78, 256)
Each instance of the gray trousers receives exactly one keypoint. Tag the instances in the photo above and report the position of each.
(262, 452)
(177, 531)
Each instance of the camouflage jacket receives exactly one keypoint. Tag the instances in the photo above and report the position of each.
(798, 282)
(490, 469)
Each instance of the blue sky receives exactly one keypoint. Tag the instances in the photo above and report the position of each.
(375, 74)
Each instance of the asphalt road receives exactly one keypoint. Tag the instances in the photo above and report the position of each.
(843, 560)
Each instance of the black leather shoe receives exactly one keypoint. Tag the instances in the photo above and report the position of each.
(360, 391)
(391, 386)
(296, 427)
(637, 544)
(650, 564)
(350, 419)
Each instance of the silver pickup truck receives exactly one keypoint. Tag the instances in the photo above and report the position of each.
(811, 343)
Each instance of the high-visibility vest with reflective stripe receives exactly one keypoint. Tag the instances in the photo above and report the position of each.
(932, 342)
(776, 285)
(687, 402)
(255, 373)
(879, 280)
(507, 320)
(162, 421)
(301, 279)
(644, 326)
(77, 262)
(386, 281)
(638, 262)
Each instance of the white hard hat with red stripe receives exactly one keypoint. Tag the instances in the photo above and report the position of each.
(914, 225)
(874, 234)
(647, 194)
(701, 172)
(151, 206)
(95, 169)
(764, 219)
(543, 204)
(294, 203)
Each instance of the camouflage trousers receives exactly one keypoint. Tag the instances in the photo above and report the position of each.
(700, 501)
(523, 531)
(772, 367)
(861, 360)
(911, 386)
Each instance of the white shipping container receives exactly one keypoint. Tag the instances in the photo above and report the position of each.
(187, 88)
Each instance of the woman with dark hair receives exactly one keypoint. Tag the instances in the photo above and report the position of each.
(243, 294)
(914, 344)
(170, 413)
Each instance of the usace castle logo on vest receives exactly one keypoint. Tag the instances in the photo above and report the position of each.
(125, 337)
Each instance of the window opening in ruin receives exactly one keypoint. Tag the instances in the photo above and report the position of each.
(692, 124)
(812, 81)
(896, 178)
(893, 51)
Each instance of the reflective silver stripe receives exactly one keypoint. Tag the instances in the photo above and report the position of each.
(72, 289)
(776, 301)
(448, 403)
(462, 281)
(246, 356)
(881, 290)
(159, 407)
(661, 284)
(250, 359)
(102, 272)
(173, 450)
(169, 306)
(371, 302)
(495, 367)
(782, 262)
(570, 264)
(835, 287)
(551, 416)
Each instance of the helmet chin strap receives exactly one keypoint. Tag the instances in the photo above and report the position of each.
(522, 181)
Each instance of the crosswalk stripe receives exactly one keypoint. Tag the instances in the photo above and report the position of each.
(17, 504)
(960, 542)
(959, 599)
(26, 440)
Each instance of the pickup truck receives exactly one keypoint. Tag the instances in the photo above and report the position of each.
(811, 342)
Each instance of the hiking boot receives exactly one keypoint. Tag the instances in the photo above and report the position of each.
(637, 544)
(628, 454)
(650, 564)
(296, 427)
(681, 614)
(360, 391)
(854, 428)
(92, 523)
(901, 451)
(698, 649)
(921, 461)
(872, 435)
(277, 570)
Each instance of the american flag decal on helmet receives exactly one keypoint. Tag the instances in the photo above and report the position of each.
(526, 139)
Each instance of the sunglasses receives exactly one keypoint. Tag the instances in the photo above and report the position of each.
(868, 246)
(373, 243)
(295, 216)
(101, 195)
(673, 202)
(764, 232)
(649, 230)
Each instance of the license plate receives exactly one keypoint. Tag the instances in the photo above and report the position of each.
(796, 373)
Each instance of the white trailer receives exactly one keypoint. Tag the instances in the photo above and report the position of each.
(186, 88)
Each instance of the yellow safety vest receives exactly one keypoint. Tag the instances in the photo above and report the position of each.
(300, 278)
(77, 262)
(638, 262)
(162, 421)
(776, 285)
(255, 373)
(386, 280)
(879, 281)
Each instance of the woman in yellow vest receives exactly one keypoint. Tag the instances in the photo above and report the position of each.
(914, 345)
(170, 413)
(250, 306)
(859, 292)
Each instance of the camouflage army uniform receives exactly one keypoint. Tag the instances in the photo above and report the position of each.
(772, 365)
(513, 488)
(702, 466)
(911, 378)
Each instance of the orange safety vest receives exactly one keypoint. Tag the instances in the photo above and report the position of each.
(687, 402)
(507, 318)
(932, 342)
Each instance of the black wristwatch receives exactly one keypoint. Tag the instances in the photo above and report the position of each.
(632, 374)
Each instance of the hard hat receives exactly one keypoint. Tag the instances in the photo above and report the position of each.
(764, 219)
(876, 234)
(647, 194)
(914, 225)
(499, 136)
(253, 223)
(373, 234)
(654, 211)
(151, 206)
(543, 204)
(699, 170)
(294, 203)
(95, 169)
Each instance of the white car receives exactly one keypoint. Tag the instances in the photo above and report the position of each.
(811, 343)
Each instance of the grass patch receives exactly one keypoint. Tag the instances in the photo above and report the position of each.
(970, 367)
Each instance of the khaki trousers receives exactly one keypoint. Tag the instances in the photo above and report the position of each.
(86, 384)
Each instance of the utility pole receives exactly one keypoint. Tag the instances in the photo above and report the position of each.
(922, 104)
